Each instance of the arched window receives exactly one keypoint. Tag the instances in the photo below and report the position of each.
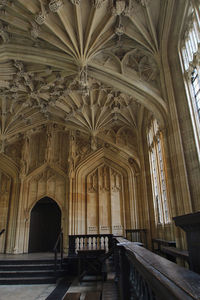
(195, 81)
(158, 173)
(189, 53)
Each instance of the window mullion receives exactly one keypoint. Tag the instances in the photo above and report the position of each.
(159, 178)
(153, 183)
(165, 202)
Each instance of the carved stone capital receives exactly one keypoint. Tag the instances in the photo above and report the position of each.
(119, 30)
(41, 17)
(143, 2)
(35, 30)
(55, 5)
(97, 3)
(76, 2)
(3, 3)
(119, 7)
(3, 33)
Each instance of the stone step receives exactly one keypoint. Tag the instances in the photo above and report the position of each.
(28, 271)
(110, 291)
(32, 273)
(27, 280)
(72, 296)
(29, 261)
(11, 267)
(93, 295)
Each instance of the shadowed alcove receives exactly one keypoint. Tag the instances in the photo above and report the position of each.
(45, 225)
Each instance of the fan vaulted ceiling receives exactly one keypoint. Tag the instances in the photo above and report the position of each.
(86, 64)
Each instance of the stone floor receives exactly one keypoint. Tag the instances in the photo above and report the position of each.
(108, 288)
(41, 292)
(26, 292)
(84, 287)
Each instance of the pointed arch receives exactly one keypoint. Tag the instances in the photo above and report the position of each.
(45, 225)
(8, 167)
(126, 194)
(45, 181)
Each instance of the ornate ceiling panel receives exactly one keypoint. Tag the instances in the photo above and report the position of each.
(51, 49)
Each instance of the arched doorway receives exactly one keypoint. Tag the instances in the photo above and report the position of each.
(45, 225)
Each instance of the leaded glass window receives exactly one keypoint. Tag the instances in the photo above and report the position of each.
(195, 80)
(158, 173)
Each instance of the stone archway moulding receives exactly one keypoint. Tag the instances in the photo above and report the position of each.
(9, 167)
(77, 199)
(45, 181)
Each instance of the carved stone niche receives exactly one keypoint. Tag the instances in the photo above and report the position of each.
(104, 201)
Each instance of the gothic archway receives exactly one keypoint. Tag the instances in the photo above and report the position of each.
(45, 225)
(104, 195)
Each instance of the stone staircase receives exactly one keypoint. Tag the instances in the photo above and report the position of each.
(28, 271)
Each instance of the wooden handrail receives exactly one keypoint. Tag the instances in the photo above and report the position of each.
(143, 274)
(55, 249)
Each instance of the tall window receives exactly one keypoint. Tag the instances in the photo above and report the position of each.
(191, 66)
(195, 81)
(191, 39)
(158, 173)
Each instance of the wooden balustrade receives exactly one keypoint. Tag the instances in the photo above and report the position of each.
(93, 241)
(137, 235)
(143, 275)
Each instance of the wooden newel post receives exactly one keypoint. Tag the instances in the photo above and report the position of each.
(190, 223)
(124, 283)
(72, 244)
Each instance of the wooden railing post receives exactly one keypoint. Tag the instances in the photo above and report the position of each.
(124, 273)
(110, 241)
(72, 244)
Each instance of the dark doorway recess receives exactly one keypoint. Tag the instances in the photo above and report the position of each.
(45, 225)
